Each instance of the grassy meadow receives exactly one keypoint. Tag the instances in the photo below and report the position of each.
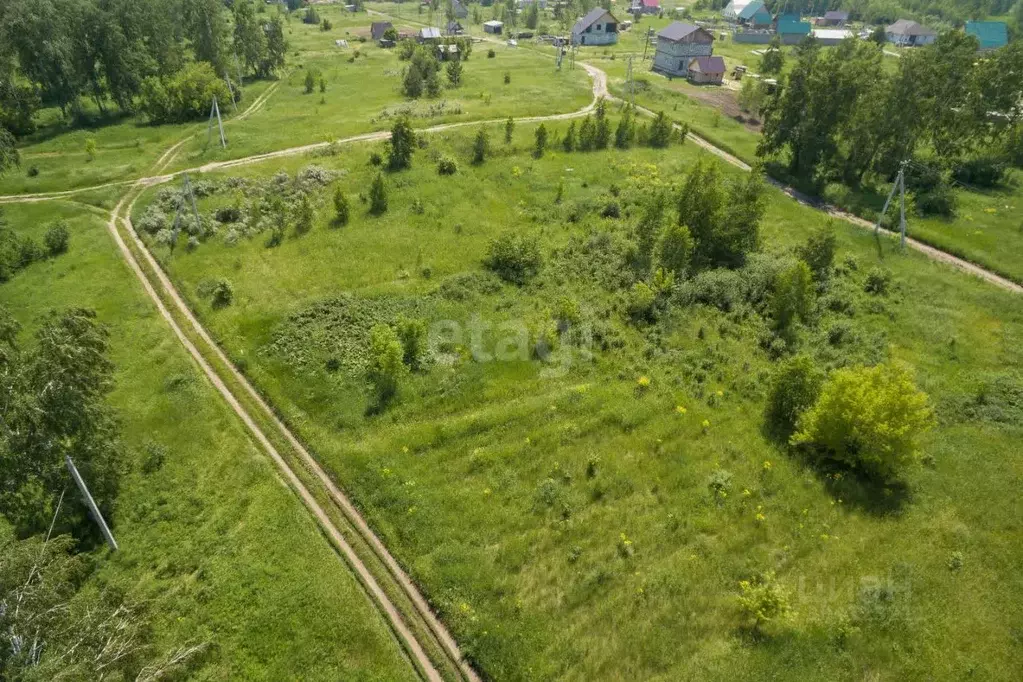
(211, 538)
(562, 514)
(362, 95)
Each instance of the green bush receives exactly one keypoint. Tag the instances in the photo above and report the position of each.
(793, 296)
(342, 209)
(186, 95)
(795, 388)
(762, 601)
(447, 166)
(878, 282)
(819, 251)
(870, 418)
(222, 294)
(412, 333)
(675, 249)
(57, 238)
(387, 364)
(640, 302)
(514, 258)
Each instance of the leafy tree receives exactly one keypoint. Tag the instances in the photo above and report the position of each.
(602, 127)
(186, 95)
(878, 36)
(794, 389)
(514, 258)
(675, 248)
(310, 81)
(401, 145)
(57, 238)
(412, 82)
(223, 293)
(648, 231)
(480, 146)
(723, 231)
(701, 205)
(568, 142)
(303, 216)
(773, 60)
(818, 251)
(454, 72)
(870, 418)
(205, 24)
(626, 131)
(250, 40)
(541, 141)
(793, 297)
(8, 153)
(751, 96)
(342, 209)
(412, 333)
(276, 48)
(509, 129)
(54, 397)
(533, 15)
(660, 131)
(387, 367)
(378, 196)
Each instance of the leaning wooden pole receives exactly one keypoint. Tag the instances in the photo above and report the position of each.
(91, 503)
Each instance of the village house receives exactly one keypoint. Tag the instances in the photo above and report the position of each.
(493, 26)
(707, 70)
(991, 34)
(791, 29)
(835, 18)
(599, 27)
(455, 28)
(447, 52)
(754, 15)
(645, 7)
(906, 33)
(378, 28)
(678, 44)
(430, 34)
(831, 36)
(459, 10)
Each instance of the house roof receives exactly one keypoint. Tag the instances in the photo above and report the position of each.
(594, 15)
(712, 64)
(378, 28)
(752, 9)
(836, 15)
(831, 33)
(736, 6)
(677, 31)
(650, 3)
(493, 23)
(905, 27)
(791, 24)
(429, 32)
(991, 34)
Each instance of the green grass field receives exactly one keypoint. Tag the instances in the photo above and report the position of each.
(510, 490)
(213, 540)
(361, 96)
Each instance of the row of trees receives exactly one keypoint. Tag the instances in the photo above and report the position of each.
(841, 116)
(61, 52)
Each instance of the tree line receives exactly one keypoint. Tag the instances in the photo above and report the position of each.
(64, 53)
(840, 116)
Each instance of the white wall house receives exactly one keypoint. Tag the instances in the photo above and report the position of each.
(599, 27)
(906, 33)
(678, 44)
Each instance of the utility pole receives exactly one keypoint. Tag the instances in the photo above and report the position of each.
(186, 188)
(630, 84)
(93, 509)
(215, 111)
(900, 185)
(646, 41)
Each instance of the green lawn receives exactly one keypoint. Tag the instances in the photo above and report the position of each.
(509, 489)
(213, 540)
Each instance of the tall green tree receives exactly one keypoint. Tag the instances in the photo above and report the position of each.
(207, 29)
(402, 145)
(54, 405)
(250, 40)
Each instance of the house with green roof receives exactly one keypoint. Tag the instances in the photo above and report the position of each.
(791, 28)
(991, 34)
(754, 15)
